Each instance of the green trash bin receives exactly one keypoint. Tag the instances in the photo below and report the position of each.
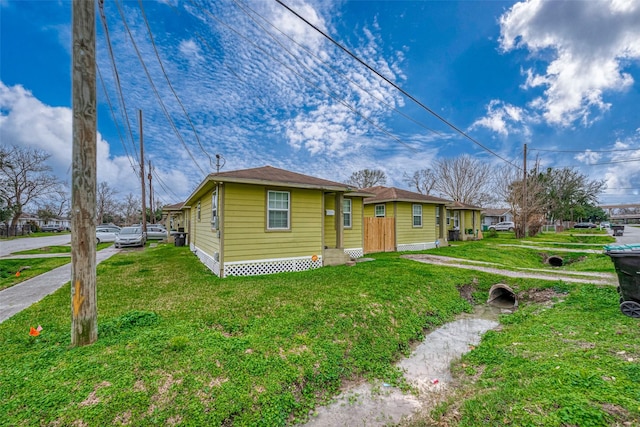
(626, 260)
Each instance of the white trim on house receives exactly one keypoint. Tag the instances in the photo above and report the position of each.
(354, 252)
(416, 246)
(271, 266)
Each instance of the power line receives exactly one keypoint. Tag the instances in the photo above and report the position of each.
(113, 116)
(155, 90)
(114, 68)
(584, 151)
(328, 67)
(405, 93)
(155, 49)
(331, 94)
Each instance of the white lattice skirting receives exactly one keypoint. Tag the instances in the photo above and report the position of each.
(354, 252)
(270, 266)
(206, 259)
(416, 246)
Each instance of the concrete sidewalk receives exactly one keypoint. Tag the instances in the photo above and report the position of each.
(18, 297)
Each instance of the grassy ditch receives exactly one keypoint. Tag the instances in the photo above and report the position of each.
(515, 257)
(574, 363)
(176, 344)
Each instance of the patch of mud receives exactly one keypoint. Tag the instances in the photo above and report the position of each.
(541, 296)
(427, 370)
(466, 291)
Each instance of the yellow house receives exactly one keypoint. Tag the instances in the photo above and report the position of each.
(268, 220)
(173, 217)
(463, 221)
(401, 220)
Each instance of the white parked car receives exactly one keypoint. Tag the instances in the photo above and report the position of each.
(503, 226)
(130, 236)
(156, 232)
(106, 235)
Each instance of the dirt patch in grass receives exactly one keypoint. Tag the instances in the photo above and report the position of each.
(541, 296)
(93, 398)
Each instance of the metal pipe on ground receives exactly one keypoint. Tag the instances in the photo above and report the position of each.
(501, 295)
(555, 261)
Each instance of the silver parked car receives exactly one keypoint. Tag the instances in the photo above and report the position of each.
(106, 235)
(130, 236)
(155, 232)
(503, 226)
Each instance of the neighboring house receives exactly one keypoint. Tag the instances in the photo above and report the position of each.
(268, 220)
(494, 216)
(26, 219)
(173, 217)
(465, 220)
(401, 220)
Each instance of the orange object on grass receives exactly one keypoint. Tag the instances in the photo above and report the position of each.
(17, 274)
(34, 332)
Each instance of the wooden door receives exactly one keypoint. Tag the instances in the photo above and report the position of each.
(379, 235)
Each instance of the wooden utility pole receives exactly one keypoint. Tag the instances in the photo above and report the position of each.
(144, 185)
(152, 216)
(84, 313)
(524, 194)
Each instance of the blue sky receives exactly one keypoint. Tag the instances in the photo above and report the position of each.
(250, 81)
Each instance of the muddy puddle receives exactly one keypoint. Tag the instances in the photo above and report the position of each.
(426, 369)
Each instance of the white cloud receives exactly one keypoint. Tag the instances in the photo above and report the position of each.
(590, 43)
(504, 119)
(27, 122)
(588, 157)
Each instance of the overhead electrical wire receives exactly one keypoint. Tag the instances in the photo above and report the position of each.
(155, 90)
(115, 122)
(331, 94)
(328, 66)
(164, 73)
(116, 75)
(405, 93)
(585, 150)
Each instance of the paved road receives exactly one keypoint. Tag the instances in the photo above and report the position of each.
(26, 243)
(18, 297)
(630, 235)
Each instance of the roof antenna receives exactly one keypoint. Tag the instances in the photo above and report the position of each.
(218, 165)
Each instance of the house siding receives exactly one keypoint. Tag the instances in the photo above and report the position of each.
(330, 221)
(353, 235)
(246, 236)
(406, 233)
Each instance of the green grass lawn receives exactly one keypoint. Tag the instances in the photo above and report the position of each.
(177, 345)
(492, 250)
(9, 267)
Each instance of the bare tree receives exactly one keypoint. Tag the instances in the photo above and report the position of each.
(367, 178)
(131, 209)
(106, 204)
(423, 180)
(24, 178)
(464, 179)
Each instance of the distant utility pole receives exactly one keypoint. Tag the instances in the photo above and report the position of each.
(84, 317)
(152, 217)
(144, 185)
(524, 194)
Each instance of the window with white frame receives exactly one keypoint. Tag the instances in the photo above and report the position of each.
(198, 212)
(448, 217)
(417, 215)
(380, 212)
(438, 215)
(278, 210)
(346, 213)
(214, 208)
(456, 219)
